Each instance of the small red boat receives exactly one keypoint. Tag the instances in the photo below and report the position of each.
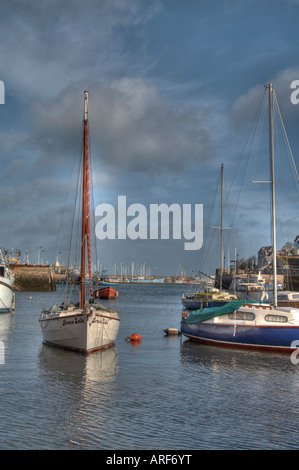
(106, 292)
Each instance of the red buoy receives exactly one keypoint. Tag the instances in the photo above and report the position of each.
(135, 337)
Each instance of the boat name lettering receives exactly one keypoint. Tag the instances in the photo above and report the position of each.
(73, 321)
(104, 321)
(137, 227)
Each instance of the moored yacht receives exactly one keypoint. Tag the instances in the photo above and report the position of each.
(248, 323)
(86, 326)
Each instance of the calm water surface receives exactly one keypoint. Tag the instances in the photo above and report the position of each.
(165, 393)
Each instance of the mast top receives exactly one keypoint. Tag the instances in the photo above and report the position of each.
(85, 105)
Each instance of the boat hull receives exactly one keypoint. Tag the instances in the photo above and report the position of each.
(76, 330)
(274, 338)
(106, 292)
(251, 326)
(6, 295)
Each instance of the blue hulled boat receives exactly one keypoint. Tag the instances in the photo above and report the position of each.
(251, 325)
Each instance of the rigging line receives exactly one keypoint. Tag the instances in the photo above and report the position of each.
(106, 240)
(93, 210)
(254, 125)
(289, 163)
(290, 150)
(277, 146)
(249, 142)
(98, 186)
(259, 138)
(73, 217)
(204, 254)
(79, 212)
(252, 132)
(210, 230)
(64, 210)
(286, 143)
(74, 211)
(282, 133)
(229, 209)
(278, 152)
(7, 308)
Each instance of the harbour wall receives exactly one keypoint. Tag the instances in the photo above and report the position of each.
(33, 278)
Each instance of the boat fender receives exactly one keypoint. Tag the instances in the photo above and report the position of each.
(172, 332)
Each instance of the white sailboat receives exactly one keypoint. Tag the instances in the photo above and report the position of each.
(86, 326)
(6, 287)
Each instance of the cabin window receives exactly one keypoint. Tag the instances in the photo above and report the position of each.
(295, 296)
(283, 297)
(276, 318)
(241, 316)
(2, 273)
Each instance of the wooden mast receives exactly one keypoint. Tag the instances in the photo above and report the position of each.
(87, 224)
(85, 196)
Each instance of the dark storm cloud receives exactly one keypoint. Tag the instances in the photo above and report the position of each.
(132, 128)
(47, 45)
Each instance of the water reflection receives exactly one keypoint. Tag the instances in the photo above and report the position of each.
(165, 393)
(7, 321)
(253, 394)
(80, 389)
(234, 358)
(100, 367)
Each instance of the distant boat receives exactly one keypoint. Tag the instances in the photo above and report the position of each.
(208, 297)
(288, 299)
(248, 290)
(108, 283)
(6, 286)
(105, 288)
(244, 323)
(106, 292)
(86, 326)
(158, 280)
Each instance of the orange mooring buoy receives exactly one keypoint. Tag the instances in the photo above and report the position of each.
(135, 337)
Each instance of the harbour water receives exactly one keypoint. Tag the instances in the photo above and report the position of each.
(163, 393)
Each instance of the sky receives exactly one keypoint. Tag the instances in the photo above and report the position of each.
(174, 88)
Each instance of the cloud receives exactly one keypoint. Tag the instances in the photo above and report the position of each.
(134, 131)
(245, 108)
(54, 43)
(133, 128)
